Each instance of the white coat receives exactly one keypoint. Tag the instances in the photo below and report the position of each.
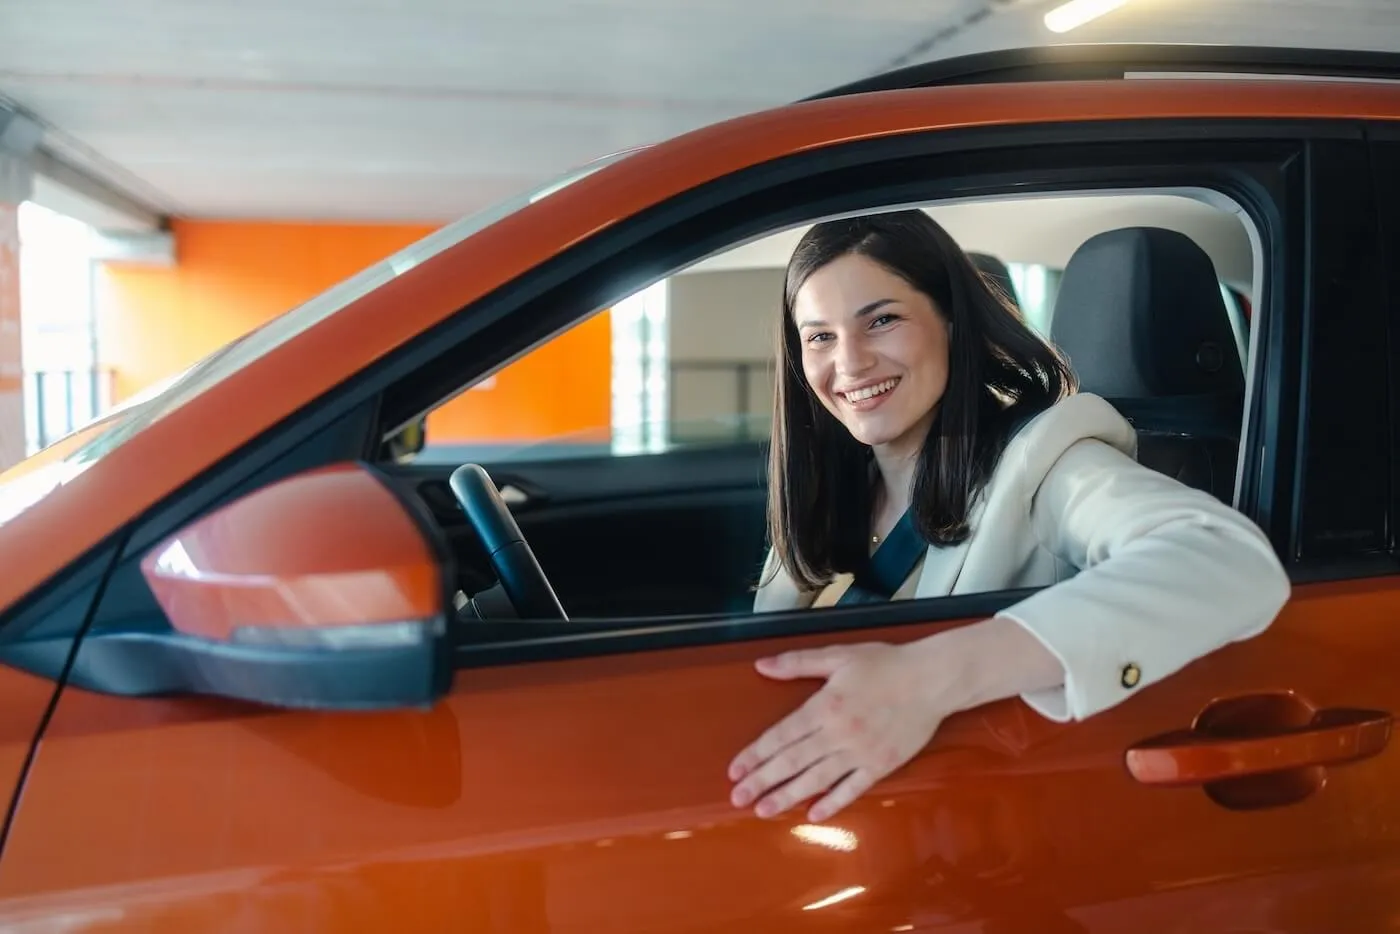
(1139, 571)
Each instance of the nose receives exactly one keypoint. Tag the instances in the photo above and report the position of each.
(853, 356)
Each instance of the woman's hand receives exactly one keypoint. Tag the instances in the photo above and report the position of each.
(875, 712)
(880, 705)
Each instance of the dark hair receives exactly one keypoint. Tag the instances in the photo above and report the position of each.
(999, 371)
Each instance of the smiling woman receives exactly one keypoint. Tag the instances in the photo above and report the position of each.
(926, 442)
(871, 307)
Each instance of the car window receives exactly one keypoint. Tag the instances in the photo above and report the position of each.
(645, 426)
(688, 361)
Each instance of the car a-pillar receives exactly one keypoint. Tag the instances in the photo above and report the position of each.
(19, 136)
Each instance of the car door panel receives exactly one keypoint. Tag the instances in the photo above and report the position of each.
(680, 532)
(24, 699)
(590, 794)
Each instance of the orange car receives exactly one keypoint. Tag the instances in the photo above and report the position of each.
(271, 662)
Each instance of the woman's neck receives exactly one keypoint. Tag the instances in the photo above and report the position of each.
(897, 462)
(896, 478)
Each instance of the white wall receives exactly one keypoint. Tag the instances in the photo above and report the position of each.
(722, 317)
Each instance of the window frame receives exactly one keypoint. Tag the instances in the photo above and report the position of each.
(1243, 158)
(517, 641)
(1385, 156)
(1343, 317)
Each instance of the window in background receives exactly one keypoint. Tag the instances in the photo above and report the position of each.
(64, 385)
(639, 371)
(1036, 288)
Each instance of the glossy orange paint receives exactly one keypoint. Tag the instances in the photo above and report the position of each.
(180, 446)
(329, 547)
(590, 795)
(24, 698)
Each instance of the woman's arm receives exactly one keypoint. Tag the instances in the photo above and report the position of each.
(1167, 574)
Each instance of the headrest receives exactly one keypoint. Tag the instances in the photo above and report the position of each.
(996, 272)
(1139, 314)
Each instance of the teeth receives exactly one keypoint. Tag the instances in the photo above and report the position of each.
(870, 392)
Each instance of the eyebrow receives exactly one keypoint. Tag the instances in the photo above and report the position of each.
(867, 310)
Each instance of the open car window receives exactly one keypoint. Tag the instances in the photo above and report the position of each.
(632, 446)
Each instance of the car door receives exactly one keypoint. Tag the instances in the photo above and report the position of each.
(573, 779)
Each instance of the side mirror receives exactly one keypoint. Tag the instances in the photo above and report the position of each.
(318, 591)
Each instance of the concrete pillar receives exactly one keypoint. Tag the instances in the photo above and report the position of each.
(19, 136)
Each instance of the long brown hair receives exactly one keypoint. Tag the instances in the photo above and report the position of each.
(999, 371)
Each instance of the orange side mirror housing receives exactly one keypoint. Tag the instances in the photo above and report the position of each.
(321, 590)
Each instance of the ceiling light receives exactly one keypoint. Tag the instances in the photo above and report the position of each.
(1076, 13)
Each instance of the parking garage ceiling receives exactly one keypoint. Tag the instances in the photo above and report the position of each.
(429, 109)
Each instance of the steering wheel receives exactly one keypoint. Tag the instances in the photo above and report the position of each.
(520, 574)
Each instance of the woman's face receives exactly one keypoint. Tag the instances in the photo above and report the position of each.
(874, 350)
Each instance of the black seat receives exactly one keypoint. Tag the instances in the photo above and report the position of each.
(995, 272)
(1140, 316)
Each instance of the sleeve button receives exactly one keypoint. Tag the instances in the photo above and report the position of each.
(1132, 674)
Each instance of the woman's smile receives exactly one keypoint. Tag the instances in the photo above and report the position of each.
(865, 397)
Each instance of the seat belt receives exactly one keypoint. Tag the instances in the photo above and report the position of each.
(889, 567)
(899, 553)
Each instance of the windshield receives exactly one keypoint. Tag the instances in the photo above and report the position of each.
(32, 479)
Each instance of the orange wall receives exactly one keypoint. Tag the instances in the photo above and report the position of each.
(232, 276)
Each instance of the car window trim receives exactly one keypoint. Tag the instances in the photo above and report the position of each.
(704, 220)
(1385, 152)
(520, 641)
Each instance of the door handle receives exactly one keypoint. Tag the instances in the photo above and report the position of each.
(1195, 757)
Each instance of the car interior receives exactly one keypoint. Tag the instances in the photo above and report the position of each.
(1147, 294)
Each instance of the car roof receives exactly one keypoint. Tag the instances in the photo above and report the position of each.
(1125, 61)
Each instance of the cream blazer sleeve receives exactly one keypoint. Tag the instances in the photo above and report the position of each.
(1166, 575)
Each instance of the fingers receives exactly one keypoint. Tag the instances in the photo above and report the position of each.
(793, 728)
(791, 761)
(805, 663)
(821, 776)
(851, 787)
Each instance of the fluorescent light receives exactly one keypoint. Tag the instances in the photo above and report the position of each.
(1076, 13)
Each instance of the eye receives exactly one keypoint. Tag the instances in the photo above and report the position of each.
(819, 337)
(881, 320)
